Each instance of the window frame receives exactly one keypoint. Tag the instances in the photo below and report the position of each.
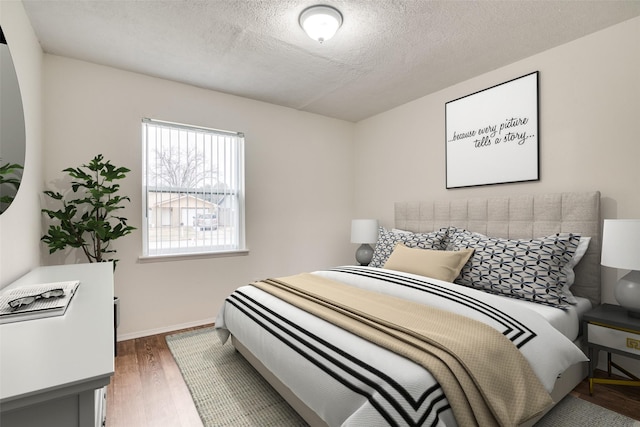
(239, 192)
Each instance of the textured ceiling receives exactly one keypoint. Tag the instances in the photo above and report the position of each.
(386, 53)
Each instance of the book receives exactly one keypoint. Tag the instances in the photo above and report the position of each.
(41, 307)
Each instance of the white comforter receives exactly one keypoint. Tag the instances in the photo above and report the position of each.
(349, 381)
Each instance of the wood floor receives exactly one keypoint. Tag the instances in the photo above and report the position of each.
(147, 389)
(618, 398)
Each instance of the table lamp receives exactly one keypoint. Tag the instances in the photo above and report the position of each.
(364, 231)
(621, 249)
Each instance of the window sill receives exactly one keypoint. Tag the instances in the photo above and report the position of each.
(198, 255)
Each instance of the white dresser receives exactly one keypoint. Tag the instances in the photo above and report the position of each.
(53, 371)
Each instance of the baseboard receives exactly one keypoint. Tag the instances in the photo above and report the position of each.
(171, 328)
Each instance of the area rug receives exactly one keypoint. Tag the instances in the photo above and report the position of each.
(227, 390)
(575, 412)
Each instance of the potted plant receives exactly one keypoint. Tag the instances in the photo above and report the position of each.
(88, 217)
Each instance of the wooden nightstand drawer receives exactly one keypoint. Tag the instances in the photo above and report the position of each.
(614, 338)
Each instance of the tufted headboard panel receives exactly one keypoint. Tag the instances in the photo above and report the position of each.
(519, 217)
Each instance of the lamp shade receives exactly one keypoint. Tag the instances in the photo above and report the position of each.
(364, 231)
(621, 244)
(320, 22)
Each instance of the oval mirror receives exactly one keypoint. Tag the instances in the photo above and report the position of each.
(12, 132)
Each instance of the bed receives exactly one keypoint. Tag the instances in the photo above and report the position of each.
(338, 375)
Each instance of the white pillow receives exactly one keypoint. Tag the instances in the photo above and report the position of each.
(568, 268)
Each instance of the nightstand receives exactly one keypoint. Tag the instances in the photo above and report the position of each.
(609, 328)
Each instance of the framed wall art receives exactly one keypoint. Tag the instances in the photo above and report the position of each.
(492, 135)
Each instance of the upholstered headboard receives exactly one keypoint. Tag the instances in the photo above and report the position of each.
(519, 217)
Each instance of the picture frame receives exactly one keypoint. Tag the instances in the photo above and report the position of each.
(492, 135)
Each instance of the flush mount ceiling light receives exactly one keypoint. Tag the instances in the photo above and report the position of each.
(320, 22)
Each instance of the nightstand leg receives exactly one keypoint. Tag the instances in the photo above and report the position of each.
(624, 371)
(591, 368)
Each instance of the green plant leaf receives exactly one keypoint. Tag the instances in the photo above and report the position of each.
(87, 222)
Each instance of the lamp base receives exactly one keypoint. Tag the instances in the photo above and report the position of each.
(627, 293)
(364, 254)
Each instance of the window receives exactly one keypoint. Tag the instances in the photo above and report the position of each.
(193, 183)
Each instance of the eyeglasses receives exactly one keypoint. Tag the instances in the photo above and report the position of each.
(22, 301)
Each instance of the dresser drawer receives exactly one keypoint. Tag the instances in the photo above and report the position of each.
(613, 338)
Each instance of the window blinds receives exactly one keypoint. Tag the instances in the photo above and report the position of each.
(193, 182)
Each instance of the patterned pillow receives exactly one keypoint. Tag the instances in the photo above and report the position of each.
(388, 239)
(530, 269)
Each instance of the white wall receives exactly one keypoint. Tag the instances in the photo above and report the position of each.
(589, 102)
(20, 223)
(298, 185)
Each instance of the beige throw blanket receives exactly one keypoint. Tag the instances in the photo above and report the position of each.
(485, 378)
